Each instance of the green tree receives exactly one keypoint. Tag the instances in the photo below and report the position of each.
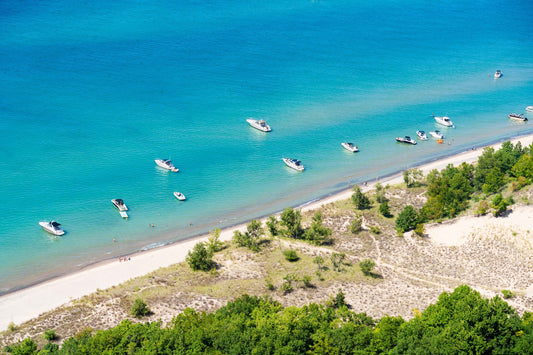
(292, 221)
(407, 219)
(251, 237)
(200, 258)
(273, 225)
(356, 225)
(317, 233)
(337, 260)
(412, 177)
(139, 308)
(213, 243)
(384, 209)
(359, 199)
(448, 191)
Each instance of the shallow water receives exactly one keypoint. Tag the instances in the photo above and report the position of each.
(92, 93)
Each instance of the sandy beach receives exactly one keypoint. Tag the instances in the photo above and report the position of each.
(28, 303)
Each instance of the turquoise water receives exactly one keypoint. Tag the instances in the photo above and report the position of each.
(93, 92)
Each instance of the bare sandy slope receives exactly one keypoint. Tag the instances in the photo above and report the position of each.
(426, 263)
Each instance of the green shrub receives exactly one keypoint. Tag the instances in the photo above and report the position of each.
(367, 266)
(359, 199)
(420, 229)
(286, 287)
(307, 281)
(482, 208)
(356, 225)
(292, 221)
(200, 258)
(50, 334)
(500, 204)
(375, 230)
(273, 225)
(507, 294)
(11, 327)
(384, 209)
(291, 255)
(139, 308)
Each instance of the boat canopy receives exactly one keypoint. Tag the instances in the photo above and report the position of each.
(54, 224)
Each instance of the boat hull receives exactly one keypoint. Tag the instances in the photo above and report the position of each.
(406, 141)
(516, 117)
(162, 164)
(444, 121)
(350, 147)
(255, 124)
(55, 231)
(180, 196)
(292, 165)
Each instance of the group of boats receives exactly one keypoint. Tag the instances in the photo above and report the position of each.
(514, 116)
(54, 227)
(291, 162)
(442, 120)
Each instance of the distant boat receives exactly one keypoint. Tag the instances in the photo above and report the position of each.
(422, 135)
(517, 117)
(444, 120)
(166, 164)
(52, 227)
(436, 134)
(498, 74)
(350, 147)
(259, 124)
(406, 139)
(121, 206)
(179, 196)
(529, 109)
(293, 163)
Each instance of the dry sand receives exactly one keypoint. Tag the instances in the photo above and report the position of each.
(28, 303)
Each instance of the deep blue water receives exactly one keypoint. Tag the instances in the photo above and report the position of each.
(93, 92)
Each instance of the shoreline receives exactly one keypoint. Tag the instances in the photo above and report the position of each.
(28, 302)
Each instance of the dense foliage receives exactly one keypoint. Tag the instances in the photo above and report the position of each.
(460, 322)
(449, 191)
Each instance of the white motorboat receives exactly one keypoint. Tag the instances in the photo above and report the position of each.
(52, 227)
(166, 164)
(293, 163)
(121, 206)
(422, 135)
(350, 147)
(179, 196)
(517, 117)
(529, 109)
(498, 74)
(259, 124)
(436, 134)
(119, 203)
(444, 120)
(406, 139)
